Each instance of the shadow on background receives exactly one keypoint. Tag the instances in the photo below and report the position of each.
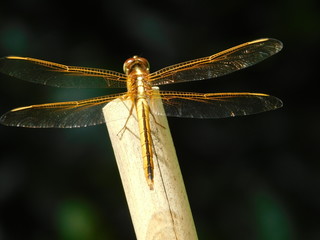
(254, 177)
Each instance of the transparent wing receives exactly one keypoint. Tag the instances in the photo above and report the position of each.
(58, 75)
(60, 115)
(215, 105)
(219, 64)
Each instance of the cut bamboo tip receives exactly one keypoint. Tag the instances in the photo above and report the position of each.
(161, 213)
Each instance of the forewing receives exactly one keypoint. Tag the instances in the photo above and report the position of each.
(215, 105)
(58, 75)
(60, 115)
(219, 64)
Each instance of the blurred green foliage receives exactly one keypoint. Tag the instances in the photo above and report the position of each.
(77, 220)
(272, 221)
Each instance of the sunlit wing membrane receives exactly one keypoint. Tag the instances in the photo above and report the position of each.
(219, 64)
(58, 75)
(60, 115)
(215, 105)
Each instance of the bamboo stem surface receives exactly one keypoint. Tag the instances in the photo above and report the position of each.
(161, 213)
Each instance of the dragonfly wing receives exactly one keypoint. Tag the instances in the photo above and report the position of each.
(60, 115)
(219, 64)
(58, 75)
(215, 105)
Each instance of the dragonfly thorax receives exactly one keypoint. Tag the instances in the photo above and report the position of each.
(135, 61)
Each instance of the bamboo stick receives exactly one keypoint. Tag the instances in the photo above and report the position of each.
(161, 213)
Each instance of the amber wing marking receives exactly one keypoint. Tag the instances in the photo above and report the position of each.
(59, 75)
(222, 63)
(71, 114)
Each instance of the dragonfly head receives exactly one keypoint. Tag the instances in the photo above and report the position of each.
(135, 61)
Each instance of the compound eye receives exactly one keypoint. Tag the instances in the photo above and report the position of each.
(144, 62)
(130, 62)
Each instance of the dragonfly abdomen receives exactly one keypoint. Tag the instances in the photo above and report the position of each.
(143, 115)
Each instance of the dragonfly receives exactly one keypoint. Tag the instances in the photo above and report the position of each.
(139, 83)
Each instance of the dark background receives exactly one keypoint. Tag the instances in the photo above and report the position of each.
(254, 177)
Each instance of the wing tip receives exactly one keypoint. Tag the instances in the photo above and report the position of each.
(275, 43)
(279, 103)
(15, 57)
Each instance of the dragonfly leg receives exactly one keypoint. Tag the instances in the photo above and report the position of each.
(154, 119)
(124, 128)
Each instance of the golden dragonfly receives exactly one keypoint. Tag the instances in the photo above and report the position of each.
(139, 82)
